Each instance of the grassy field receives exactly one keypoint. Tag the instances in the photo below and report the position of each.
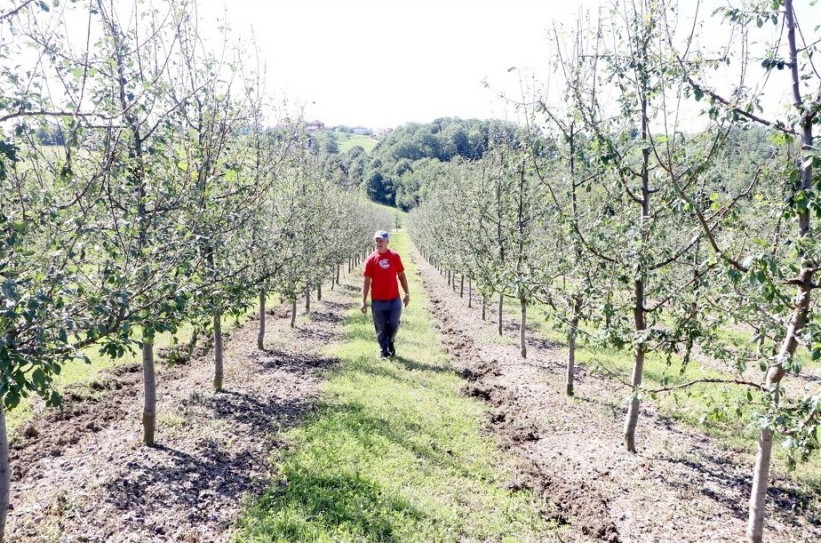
(348, 141)
(399, 216)
(394, 452)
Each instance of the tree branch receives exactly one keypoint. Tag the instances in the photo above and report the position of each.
(42, 113)
(708, 380)
(15, 11)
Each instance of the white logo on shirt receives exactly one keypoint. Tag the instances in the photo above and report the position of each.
(384, 263)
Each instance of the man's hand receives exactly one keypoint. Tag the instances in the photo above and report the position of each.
(406, 300)
(366, 288)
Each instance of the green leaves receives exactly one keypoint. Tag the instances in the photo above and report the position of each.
(8, 154)
(770, 63)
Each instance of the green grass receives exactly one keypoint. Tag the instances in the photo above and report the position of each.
(346, 142)
(398, 217)
(394, 452)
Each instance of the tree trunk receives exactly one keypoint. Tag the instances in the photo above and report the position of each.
(192, 344)
(150, 388)
(5, 472)
(640, 322)
(571, 357)
(639, 295)
(218, 369)
(338, 271)
(461, 285)
(571, 345)
(758, 493)
(261, 329)
(484, 308)
(633, 410)
(293, 312)
(522, 337)
(798, 319)
(319, 292)
(307, 298)
(501, 307)
(470, 293)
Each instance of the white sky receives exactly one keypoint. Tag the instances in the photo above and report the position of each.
(382, 63)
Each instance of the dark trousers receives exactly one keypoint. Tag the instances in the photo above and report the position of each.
(386, 315)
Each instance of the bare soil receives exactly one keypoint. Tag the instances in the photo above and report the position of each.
(681, 486)
(81, 474)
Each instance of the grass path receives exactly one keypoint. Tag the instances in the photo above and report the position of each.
(393, 452)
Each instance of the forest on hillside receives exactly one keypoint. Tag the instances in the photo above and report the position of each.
(398, 169)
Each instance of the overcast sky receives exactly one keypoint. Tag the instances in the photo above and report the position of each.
(382, 63)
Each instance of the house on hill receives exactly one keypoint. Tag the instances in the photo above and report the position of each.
(313, 126)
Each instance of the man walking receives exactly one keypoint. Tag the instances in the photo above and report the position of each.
(382, 269)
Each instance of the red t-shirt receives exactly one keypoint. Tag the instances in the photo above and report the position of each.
(383, 269)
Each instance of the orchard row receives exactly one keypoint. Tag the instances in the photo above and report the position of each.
(653, 210)
(168, 193)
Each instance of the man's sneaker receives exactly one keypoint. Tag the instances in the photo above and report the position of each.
(384, 356)
(391, 350)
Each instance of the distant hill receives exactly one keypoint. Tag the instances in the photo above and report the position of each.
(412, 155)
(396, 166)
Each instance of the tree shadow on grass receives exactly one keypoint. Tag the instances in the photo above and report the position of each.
(211, 469)
(790, 503)
(352, 288)
(411, 364)
(164, 478)
(308, 506)
(297, 363)
(314, 502)
(370, 430)
(388, 370)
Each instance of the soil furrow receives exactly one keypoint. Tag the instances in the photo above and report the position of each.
(82, 474)
(681, 486)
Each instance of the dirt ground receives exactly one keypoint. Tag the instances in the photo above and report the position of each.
(82, 474)
(679, 487)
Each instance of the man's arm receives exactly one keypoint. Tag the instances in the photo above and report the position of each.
(366, 288)
(404, 282)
